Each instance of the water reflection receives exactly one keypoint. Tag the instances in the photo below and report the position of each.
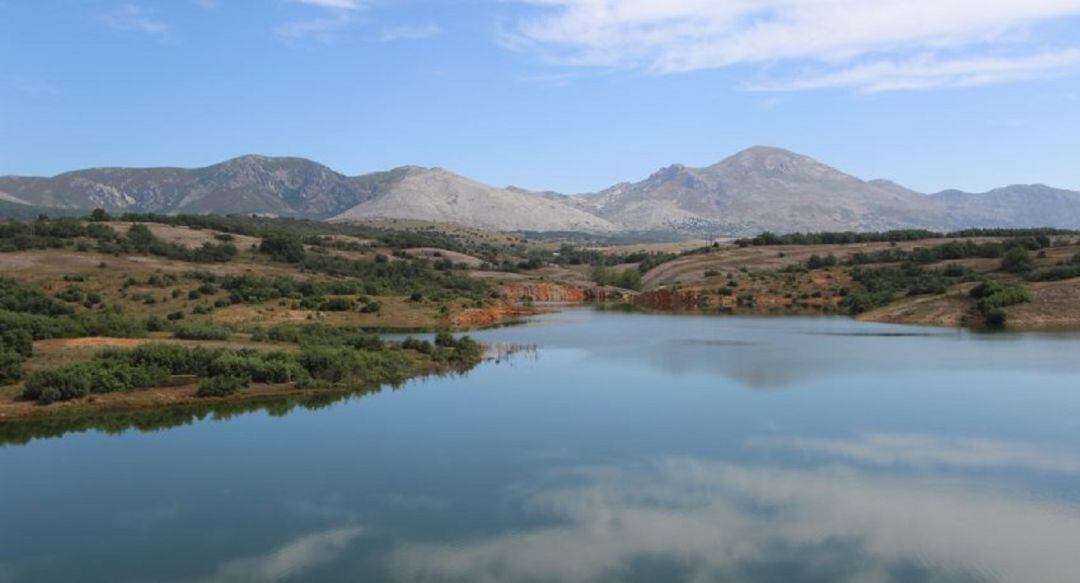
(22, 432)
(771, 353)
(692, 519)
(624, 448)
(290, 561)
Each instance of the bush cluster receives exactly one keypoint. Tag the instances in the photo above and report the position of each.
(992, 297)
(202, 331)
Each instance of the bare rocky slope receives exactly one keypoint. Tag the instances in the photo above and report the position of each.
(445, 197)
(755, 190)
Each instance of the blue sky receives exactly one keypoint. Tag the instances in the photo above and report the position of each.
(569, 95)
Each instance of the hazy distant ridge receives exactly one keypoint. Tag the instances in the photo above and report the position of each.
(757, 189)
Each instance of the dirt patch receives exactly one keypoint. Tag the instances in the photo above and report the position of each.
(93, 342)
(186, 236)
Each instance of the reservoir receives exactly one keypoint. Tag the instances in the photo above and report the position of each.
(604, 447)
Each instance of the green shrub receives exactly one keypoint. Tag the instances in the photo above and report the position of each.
(337, 305)
(97, 376)
(345, 365)
(1017, 260)
(202, 331)
(71, 293)
(10, 366)
(371, 307)
(16, 297)
(221, 386)
(992, 296)
(274, 367)
(285, 248)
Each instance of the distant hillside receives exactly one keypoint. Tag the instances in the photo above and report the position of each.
(763, 189)
(755, 190)
(249, 184)
(14, 210)
(441, 196)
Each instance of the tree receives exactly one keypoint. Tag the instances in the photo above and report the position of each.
(283, 248)
(99, 216)
(1017, 260)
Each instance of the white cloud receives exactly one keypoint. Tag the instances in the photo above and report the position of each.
(337, 15)
(319, 28)
(720, 521)
(928, 72)
(290, 560)
(411, 32)
(866, 44)
(889, 449)
(334, 4)
(131, 17)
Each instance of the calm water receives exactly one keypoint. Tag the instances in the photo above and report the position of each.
(624, 448)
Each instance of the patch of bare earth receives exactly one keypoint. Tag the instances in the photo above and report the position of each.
(1054, 304)
(946, 310)
(186, 236)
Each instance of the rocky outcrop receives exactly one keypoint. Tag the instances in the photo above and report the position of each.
(483, 317)
(546, 292)
(666, 299)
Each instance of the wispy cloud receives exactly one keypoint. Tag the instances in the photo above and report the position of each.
(318, 28)
(334, 4)
(337, 14)
(721, 522)
(410, 32)
(290, 560)
(919, 450)
(927, 72)
(134, 18)
(872, 45)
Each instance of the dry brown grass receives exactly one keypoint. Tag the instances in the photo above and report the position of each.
(186, 236)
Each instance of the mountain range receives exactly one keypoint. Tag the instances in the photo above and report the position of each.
(758, 189)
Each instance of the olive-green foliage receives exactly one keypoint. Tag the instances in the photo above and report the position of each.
(372, 307)
(848, 237)
(10, 366)
(997, 294)
(222, 386)
(992, 297)
(1063, 270)
(320, 335)
(271, 367)
(627, 278)
(98, 323)
(1017, 260)
(71, 293)
(50, 234)
(348, 358)
(16, 340)
(819, 262)
(344, 365)
(283, 247)
(876, 287)
(447, 349)
(16, 297)
(337, 305)
(139, 239)
(98, 376)
(202, 331)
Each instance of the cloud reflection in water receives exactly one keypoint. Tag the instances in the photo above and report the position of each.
(699, 520)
